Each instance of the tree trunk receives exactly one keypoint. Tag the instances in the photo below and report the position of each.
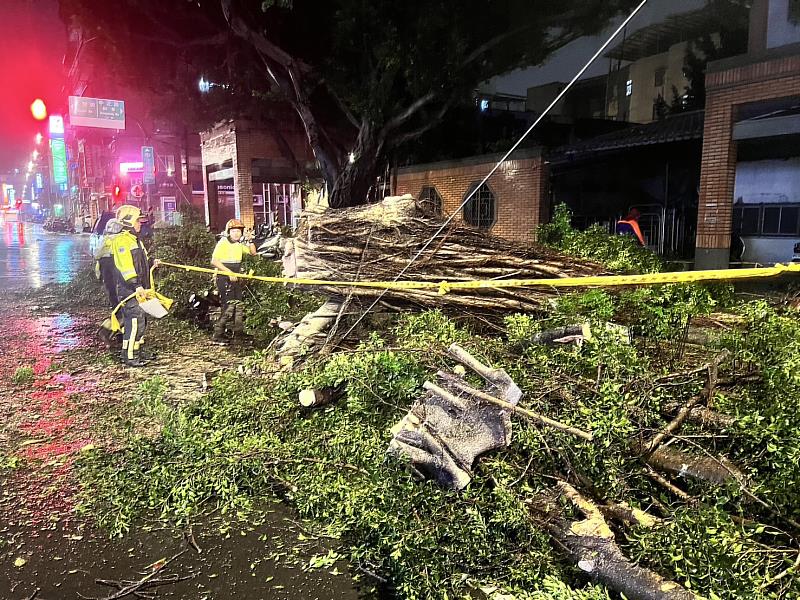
(357, 177)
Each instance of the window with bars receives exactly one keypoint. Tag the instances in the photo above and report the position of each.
(430, 200)
(481, 209)
(767, 219)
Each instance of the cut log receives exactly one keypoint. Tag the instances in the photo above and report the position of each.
(703, 416)
(591, 545)
(626, 514)
(377, 242)
(314, 398)
(704, 468)
(310, 333)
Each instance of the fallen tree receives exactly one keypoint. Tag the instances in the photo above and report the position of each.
(378, 243)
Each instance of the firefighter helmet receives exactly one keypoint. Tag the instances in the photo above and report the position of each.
(127, 215)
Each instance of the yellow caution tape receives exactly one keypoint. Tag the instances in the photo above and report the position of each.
(114, 323)
(445, 287)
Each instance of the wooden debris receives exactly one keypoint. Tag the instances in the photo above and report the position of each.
(314, 398)
(591, 545)
(376, 242)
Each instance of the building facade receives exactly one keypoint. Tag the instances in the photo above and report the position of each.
(511, 205)
(749, 191)
(253, 171)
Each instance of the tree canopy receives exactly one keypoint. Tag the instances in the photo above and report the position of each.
(363, 77)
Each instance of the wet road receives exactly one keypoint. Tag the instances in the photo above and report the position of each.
(31, 257)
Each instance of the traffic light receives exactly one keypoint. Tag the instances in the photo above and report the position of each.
(117, 193)
(39, 110)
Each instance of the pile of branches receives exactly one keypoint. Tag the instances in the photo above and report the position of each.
(377, 242)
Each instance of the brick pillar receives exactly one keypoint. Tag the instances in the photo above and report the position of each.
(541, 190)
(243, 178)
(717, 181)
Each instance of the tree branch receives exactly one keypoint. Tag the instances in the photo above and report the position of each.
(409, 112)
(429, 124)
(275, 53)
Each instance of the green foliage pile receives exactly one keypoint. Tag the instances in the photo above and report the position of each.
(85, 289)
(249, 437)
(192, 244)
(618, 252)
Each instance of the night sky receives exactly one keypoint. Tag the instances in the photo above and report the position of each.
(33, 41)
(32, 44)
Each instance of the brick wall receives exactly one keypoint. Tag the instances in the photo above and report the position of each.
(519, 187)
(284, 144)
(725, 90)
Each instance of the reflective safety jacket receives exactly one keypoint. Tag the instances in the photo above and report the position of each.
(104, 248)
(630, 228)
(230, 254)
(131, 260)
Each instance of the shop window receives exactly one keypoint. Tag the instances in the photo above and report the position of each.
(750, 221)
(794, 12)
(481, 210)
(430, 200)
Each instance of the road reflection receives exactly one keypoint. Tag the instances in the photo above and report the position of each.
(31, 257)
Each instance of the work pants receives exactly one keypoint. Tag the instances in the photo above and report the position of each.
(108, 273)
(232, 311)
(135, 323)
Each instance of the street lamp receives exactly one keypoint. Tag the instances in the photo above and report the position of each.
(30, 166)
(38, 138)
(35, 154)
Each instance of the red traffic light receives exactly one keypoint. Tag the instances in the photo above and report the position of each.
(117, 193)
(39, 110)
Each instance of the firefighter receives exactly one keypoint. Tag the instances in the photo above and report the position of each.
(227, 258)
(105, 261)
(630, 226)
(133, 277)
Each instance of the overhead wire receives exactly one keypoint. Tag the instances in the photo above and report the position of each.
(511, 150)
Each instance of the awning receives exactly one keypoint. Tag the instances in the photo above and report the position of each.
(675, 128)
(773, 124)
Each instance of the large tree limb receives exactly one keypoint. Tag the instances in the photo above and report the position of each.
(240, 27)
(591, 544)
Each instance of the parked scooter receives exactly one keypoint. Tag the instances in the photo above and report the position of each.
(267, 240)
(59, 226)
(201, 305)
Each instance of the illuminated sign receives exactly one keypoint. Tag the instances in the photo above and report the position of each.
(96, 112)
(56, 125)
(58, 150)
(39, 181)
(130, 167)
(149, 165)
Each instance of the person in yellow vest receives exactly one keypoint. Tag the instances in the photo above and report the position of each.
(133, 277)
(227, 258)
